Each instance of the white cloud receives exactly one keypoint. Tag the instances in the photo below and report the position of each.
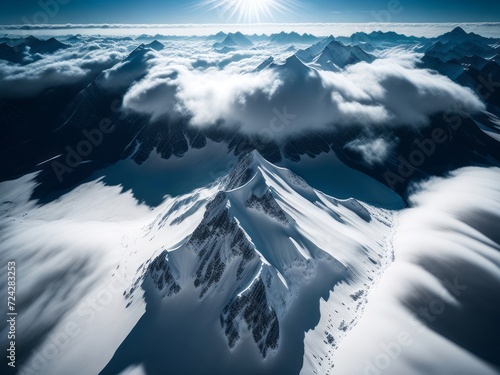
(389, 91)
(489, 29)
(68, 66)
(446, 254)
(373, 151)
(189, 79)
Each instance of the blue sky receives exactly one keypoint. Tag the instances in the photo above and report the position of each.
(192, 11)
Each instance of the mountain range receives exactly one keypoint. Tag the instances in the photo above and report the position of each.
(284, 204)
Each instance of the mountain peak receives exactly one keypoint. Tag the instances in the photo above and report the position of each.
(458, 31)
(293, 61)
(295, 65)
(240, 39)
(309, 54)
(31, 38)
(156, 45)
(335, 44)
(244, 170)
(336, 56)
(265, 64)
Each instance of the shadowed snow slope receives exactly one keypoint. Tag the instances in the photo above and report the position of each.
(435, 310)
(249, 278)
(150, 196)
(241, 264)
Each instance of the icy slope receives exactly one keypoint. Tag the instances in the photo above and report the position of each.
(435, 310)
(257, 269)
(268, 248)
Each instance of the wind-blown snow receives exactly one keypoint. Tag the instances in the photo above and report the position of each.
(435, 309)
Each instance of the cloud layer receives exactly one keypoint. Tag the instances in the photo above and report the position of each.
(190, 80)
(291, 98)
(435, 309)
(64, 67)
(321, 29)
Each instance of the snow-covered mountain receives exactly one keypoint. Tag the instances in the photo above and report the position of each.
(337, 56)
(282, 211)
(292, 38)
(457, 44)
(330, 54)
(310, 53)
(466, 58)
(234, 40)
(261, 249)
(380, 39)
(265, 64)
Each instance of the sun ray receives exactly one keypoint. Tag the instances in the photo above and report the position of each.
(250, 11)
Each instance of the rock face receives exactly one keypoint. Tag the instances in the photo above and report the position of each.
(219, 242)
(156, 45)
(259, 316)
(268, 205)
(161, 274)
(210, 240)
(251, 260)
(12, 54)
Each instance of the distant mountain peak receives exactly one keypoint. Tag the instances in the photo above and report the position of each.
(31, 38)
(335, 44)
(265, 64)
(292, 66)
(336, 56)
(458, 31)
(42, 46)
(156, 45)
(240, 39)
(234, 40)
(293, 61)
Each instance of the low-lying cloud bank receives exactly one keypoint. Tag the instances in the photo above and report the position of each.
(436, 308)
(64, 67)
(225, 90)
(320, 29)
(291, 98)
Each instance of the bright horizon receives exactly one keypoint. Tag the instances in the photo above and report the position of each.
(244, 11)
(489, 29)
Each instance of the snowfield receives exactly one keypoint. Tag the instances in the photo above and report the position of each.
(252, 204)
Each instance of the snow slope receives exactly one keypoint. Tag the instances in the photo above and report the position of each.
(242, 263)
(435, 310)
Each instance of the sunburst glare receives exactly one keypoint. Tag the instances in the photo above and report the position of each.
(250, 10)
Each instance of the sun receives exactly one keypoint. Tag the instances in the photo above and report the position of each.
(249, 10)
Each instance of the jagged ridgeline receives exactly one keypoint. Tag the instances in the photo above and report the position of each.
(253, 255)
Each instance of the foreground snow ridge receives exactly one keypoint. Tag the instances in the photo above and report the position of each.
(266, 240)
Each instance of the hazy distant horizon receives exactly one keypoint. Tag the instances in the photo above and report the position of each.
(487, 29)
